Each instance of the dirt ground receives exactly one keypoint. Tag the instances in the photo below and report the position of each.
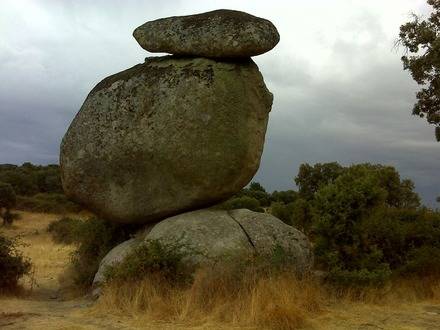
(44, 305)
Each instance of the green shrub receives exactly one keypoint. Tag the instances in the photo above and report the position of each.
(167, 262)
(65, 230)
(282, 211)
(286, 197)
(339, 209)
(47, 203)
(29, 179)
(377, 276)
(302, 215)
(95, 238)
(12, 264)
(151, 258)
(367, 227)
(7, 201)
(244, 202)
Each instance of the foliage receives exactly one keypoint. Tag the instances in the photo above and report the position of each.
(256, 198)
(152, 258)
(399, 192)
(29, 179)
(95, 238)
(421, 39)
(282, 211)
(47, 203)
(286, 197)
(301, 216)
(257, 192)
(311, 178)
(38, 188)
(12, 264)
(367, 226)
(256, 186)
(7, 201)
(337, 209)
(65, 230)
(242, 202)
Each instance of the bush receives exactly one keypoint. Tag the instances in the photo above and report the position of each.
(409, 239)
(95, 238)
(47, 203)
(286, 197)
(367, 227)
(65, 230)
(29, 179)
(152, 258)
(244, 202)
(167, 262)
(12, 264)
(7, 201)
(282, 211)
(302, 215)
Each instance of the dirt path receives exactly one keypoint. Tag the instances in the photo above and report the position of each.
(48, 307)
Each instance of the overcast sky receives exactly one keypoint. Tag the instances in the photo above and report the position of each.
(340, 93)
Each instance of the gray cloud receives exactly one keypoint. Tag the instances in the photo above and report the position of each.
(340, 92)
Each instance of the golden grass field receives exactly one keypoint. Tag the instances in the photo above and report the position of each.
(212, 302)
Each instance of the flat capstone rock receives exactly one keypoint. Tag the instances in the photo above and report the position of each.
(219, 34)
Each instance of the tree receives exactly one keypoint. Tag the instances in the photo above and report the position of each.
(286, 197)
(7, 201)
(311, 178)
(339, 208)
(302, 215)
(421, 38)
(282, 211)
(256, 186)
(368, 223)
(400, 193)
(255, 191)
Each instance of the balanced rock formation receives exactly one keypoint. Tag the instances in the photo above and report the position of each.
(211, 236)
(166, 136)
(219, 33)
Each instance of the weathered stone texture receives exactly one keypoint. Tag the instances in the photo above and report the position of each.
(220, 33)
(166, 136)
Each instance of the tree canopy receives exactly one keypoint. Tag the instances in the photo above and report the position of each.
(421, 39)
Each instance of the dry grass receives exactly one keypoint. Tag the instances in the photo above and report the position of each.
(49, 260)
(410, 290)
(277, 302)
(280, 301)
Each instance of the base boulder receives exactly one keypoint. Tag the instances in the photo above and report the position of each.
(211, 236)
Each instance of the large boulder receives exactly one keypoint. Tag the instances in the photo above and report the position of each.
(166, 136)
(214, 235)
(219, 33)
(207, 237)
(267, 232)
(203, 236)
